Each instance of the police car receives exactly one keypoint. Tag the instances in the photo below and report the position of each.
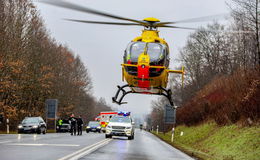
(120, 125)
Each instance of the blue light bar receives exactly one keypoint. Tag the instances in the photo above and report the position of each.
(121, 113)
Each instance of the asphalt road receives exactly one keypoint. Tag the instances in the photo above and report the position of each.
(91, 146)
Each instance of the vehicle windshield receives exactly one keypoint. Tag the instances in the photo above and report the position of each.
(155, 51)
(93, 124)
(31, 120)
(121, 119)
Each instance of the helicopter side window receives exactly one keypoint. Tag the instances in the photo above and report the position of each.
(167, 59)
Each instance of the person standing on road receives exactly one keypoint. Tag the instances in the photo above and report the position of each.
(80, 124)
(60, 122)
(73, 123)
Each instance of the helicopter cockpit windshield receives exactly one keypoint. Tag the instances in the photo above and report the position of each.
(156, 51)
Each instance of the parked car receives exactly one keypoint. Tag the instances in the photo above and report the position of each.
(32, 125)
(93, 126)
(120, 126)
(64, 127)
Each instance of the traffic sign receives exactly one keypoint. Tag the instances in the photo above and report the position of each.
(51, 108)
(169, 114)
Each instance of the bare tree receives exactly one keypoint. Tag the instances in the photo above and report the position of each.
(246, 16)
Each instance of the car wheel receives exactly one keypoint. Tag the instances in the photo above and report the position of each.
(39, 131)
(44, 131)
(108, 136)
(87, 131)
(130, 137)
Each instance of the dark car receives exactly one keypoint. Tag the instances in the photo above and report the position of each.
(64, 126)
(93, 126)
(32, 125)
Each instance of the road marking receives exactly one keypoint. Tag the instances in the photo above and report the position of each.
(87, 150)
(5, 141)
(33, 144)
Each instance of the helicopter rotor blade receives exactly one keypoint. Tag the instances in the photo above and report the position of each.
(210, 30)
(75, 7)
(101, 22)
(188, 28)
(192, 20)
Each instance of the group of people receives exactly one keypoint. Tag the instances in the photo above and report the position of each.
(75, 124)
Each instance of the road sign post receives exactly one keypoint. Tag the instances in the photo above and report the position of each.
(169, 114)
(7, 126)
(157, 129)
(172, 134)
(51, 110)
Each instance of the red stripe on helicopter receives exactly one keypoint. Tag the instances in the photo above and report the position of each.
(143, 73)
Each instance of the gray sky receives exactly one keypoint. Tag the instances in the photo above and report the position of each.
(101, 47)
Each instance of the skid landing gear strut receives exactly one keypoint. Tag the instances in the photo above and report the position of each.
(122, 89)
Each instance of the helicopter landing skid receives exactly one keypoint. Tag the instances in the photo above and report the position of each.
(124, 93)
(164, 92)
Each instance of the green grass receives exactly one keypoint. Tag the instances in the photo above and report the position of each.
(211, 142)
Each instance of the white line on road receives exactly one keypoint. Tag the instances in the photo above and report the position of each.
(5, 141)
(35, 144)
(87, 150)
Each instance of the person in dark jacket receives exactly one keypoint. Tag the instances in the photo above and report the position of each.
(73, 123)
(80, 124)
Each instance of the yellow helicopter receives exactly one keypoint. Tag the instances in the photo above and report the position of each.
(146, 59)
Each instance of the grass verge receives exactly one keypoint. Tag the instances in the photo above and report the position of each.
(211, 142)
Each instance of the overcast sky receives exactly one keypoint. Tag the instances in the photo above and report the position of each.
(101, 47)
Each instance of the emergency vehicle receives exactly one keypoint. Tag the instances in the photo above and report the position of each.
(104, 118)
(121, 125)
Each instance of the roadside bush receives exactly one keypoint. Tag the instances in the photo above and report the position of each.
(226, 100)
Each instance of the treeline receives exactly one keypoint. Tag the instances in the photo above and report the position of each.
(34, 67)
(222, 71)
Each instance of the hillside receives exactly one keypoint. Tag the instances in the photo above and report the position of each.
(226, 100)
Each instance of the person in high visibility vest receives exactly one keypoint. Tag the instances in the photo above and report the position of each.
(60, 122)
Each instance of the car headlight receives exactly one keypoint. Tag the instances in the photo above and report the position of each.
(87, 127)
(20, 126)
(35, 126)
(98, 127)
(128, 127)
